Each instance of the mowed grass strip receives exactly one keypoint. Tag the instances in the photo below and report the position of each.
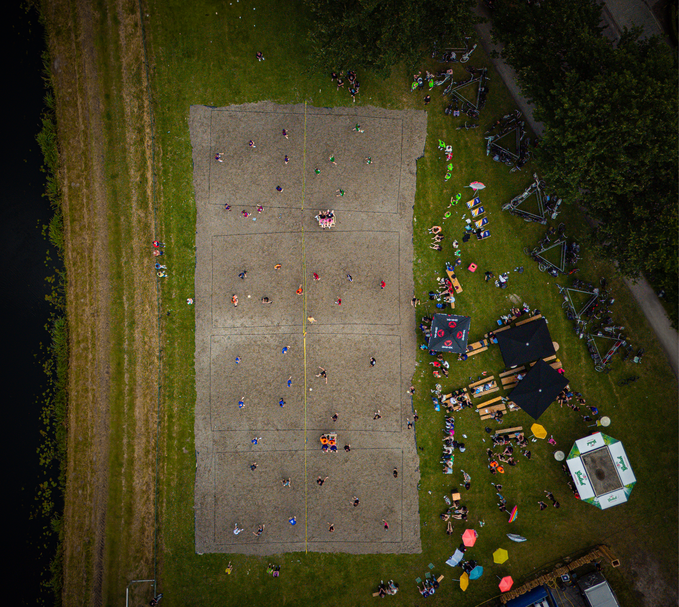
(118, 251)
(205, 54)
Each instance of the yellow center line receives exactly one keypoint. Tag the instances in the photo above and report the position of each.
(304, 315)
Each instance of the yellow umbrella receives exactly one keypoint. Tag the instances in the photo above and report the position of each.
(538, 431)
(500, 555)
(464, 581)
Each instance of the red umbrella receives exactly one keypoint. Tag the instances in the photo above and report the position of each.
(469, 537)
(506, 583)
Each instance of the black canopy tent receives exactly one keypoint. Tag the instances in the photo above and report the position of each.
(525, 343)
(539, 389)
(449, 333)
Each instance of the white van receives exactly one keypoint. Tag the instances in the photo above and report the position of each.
(596, 591)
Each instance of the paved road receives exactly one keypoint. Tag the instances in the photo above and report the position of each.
(618, 13)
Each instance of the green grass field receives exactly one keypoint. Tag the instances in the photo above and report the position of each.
(204, 53)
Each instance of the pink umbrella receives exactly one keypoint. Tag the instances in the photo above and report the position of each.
(506, 583)
(469, 537)
(476, 185)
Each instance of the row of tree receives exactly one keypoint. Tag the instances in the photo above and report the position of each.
(379, 34)
(610, 116)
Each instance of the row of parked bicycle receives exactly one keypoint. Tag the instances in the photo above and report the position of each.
(586, 304)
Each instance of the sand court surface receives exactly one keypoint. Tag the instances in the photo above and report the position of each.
(335, 323)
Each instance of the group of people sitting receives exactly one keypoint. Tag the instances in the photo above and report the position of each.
(326, 219)
(568, 398)
(429, 587)
(436, 239)
(390, 588)
(495, 459)
(515, 313)
(458, 401)
(455, 512)
(449, 445)
(483, 388)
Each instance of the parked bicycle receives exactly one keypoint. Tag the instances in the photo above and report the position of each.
(467, 126)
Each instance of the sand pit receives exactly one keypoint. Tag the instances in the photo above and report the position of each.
(372, 242)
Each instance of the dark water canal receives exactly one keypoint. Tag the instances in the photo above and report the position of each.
(24, 310)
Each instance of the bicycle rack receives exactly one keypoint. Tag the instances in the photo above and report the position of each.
(536, 188)
(561, 268)
(603, 362)
(454, 87)
(570, 304)
(506, 126)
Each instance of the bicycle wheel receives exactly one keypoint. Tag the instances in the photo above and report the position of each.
(527, 251)
(599, 368)
(542, 267)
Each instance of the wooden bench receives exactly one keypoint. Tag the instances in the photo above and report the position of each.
(512, 380)
(531, 319)
(439, 578)
(475, 351)
(513, 371)
(489, 380)
(487, 411)
(454, 280)
(485, 380)
(489, 391)
(446, 397)
(516, 430)
(490, 402)
(456, 497)
(503, 328)
(556, 365)
(478, 344)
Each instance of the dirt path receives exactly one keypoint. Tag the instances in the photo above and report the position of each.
(111, 296)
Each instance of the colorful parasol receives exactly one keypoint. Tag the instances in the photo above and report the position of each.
(513, 514)
(476, 573)
(469, 537)
(506, 583)
(500, 556)
(538, 431)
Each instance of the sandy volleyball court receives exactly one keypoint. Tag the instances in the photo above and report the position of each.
(371, 242)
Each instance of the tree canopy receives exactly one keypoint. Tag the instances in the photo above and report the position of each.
(378, 34)
(610, 116)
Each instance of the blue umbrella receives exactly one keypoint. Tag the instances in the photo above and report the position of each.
(516, 538)
(476, 573)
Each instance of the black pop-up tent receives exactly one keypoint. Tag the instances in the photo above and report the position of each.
(525, 343)
(539, 389)
(449, 333)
